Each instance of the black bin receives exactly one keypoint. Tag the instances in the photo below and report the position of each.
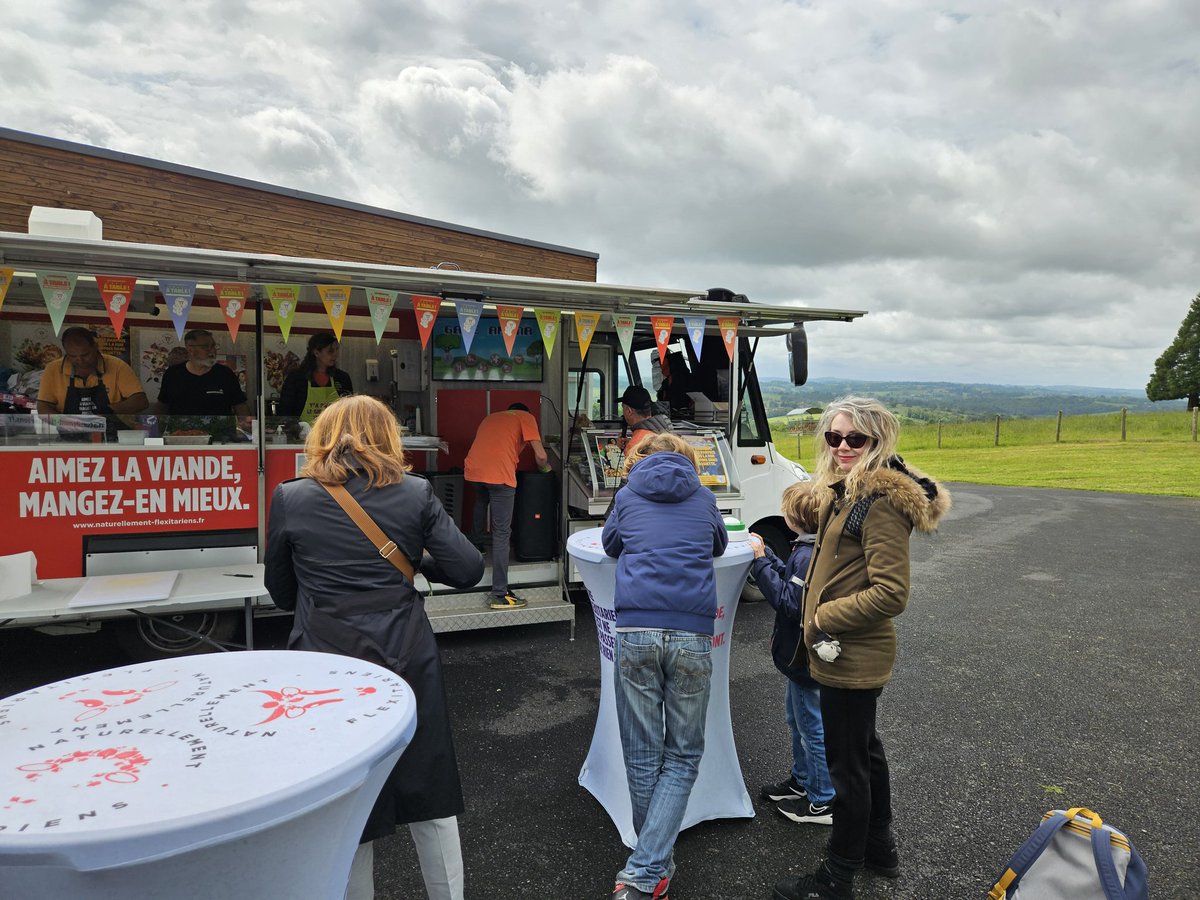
(535, 516)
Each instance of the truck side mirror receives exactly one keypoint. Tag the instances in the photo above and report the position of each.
(797, 345)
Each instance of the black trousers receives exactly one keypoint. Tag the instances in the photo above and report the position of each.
(859, 771)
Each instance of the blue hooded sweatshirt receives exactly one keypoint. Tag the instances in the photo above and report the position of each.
(665, 530)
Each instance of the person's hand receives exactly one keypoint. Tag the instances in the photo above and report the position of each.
(545, 467)
(757, 545)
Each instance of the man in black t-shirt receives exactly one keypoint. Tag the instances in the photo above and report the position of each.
(201, 387)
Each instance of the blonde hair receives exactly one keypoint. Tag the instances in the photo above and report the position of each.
(663, 442)
(799, 505)
(355, 433)
(869, 417)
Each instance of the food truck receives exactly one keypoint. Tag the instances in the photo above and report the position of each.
(103, 494)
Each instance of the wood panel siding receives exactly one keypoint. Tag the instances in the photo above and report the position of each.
(143, 203)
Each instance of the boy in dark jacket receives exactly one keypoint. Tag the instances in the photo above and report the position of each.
(664, 530)
(806, 796)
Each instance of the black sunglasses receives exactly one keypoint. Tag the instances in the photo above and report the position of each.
(853, 440)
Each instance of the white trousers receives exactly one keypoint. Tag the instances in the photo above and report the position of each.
(438, 851)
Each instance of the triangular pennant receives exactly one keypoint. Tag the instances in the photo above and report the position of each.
(728, 326)
(625, 324)
(469, 312)
(178, 296)
(6, 277)
(548, 328)
(117, 291)
(662, 325)
(336, 298)
(426, 310)
(510, 321)
(285, 300)
(585, 330)
(380, 303)
(231, 298)
(57, 288)
(695, 329)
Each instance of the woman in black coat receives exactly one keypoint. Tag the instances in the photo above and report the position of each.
(348, 599)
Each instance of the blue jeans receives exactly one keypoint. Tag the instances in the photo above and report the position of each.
(803, 702)
(662, 686)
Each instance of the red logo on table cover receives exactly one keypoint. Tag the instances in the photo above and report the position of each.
(292, 703)
(125, 762)
(110, 700)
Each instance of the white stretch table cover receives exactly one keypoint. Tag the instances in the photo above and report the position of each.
(218, 776)
(720, 790)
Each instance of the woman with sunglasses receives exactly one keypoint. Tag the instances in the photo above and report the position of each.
(869, 502)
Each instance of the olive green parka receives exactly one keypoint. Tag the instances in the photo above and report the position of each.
(860, 583)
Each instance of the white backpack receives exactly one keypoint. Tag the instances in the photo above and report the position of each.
(1073, 855)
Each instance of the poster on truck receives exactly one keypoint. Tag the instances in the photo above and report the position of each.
(54, 499)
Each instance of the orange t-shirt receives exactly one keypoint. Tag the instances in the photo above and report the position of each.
(498, 443)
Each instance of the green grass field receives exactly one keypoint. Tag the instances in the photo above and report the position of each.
(1158, 455)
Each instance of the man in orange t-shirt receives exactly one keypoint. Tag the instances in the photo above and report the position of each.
(491, 466)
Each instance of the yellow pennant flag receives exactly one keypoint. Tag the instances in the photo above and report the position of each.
(336, 298)
(585, 330)
(6, 277)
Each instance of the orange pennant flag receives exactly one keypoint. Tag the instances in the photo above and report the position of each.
(728, 326)
(231, 298)
(661, 326)
(426, 309)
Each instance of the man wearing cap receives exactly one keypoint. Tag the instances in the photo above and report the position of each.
(636, 408)
(491, 467)
(88, 382)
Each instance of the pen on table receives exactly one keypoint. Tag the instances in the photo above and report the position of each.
(236, 575)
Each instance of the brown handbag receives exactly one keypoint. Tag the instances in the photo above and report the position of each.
(387, 548)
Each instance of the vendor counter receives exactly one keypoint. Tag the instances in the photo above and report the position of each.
(234, 775)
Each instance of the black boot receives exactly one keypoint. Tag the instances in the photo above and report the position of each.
(882, 856)
(820, 885)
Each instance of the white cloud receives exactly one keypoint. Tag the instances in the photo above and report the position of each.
(1008, 188)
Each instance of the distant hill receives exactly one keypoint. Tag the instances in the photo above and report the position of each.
(946, 401)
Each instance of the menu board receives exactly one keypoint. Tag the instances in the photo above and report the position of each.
(606, 458)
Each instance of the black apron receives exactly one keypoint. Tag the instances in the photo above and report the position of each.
(90, 401)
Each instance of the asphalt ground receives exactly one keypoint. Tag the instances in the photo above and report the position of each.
(1048, 659)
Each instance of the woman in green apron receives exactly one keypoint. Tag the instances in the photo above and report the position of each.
(316, 382)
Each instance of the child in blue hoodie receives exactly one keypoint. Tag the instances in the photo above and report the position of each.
(807, 795)
(664, 530)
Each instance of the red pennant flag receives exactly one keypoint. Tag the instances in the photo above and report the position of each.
(661, 325)
(117, 291)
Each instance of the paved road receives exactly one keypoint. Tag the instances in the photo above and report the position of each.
(1050, 646)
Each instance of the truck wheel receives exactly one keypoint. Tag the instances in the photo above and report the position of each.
(780, 543)
(146, 639)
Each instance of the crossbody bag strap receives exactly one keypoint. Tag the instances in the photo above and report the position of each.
(387, 548)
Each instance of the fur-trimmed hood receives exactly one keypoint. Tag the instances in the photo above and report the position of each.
(912, 492)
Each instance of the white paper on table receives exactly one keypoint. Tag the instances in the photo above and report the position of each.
(128, 590)
(17, 574)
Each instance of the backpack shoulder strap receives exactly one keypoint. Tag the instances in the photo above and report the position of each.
(1026, 854)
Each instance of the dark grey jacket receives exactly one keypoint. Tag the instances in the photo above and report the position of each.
(320, 565)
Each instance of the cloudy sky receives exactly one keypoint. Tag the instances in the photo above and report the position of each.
(1009, 188)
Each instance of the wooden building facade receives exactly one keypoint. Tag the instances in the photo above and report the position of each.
(148, 201)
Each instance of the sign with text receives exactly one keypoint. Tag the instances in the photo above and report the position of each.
(56, 498)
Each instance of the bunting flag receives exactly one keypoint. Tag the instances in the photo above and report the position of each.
(6, 277)
(57, 288)
(285, 300)
(728, 326)
(426, 309)
(585, 330)
(469, 312)
(117, 291)
(178, 296)
(231, 298)
(547, 320)
(510, 321)
(336, 298)
(625, 324)
(661, 326)
(380, 303)
(695, 329)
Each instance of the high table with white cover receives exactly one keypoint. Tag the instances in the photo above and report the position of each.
(228, 775)
(720, 790)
